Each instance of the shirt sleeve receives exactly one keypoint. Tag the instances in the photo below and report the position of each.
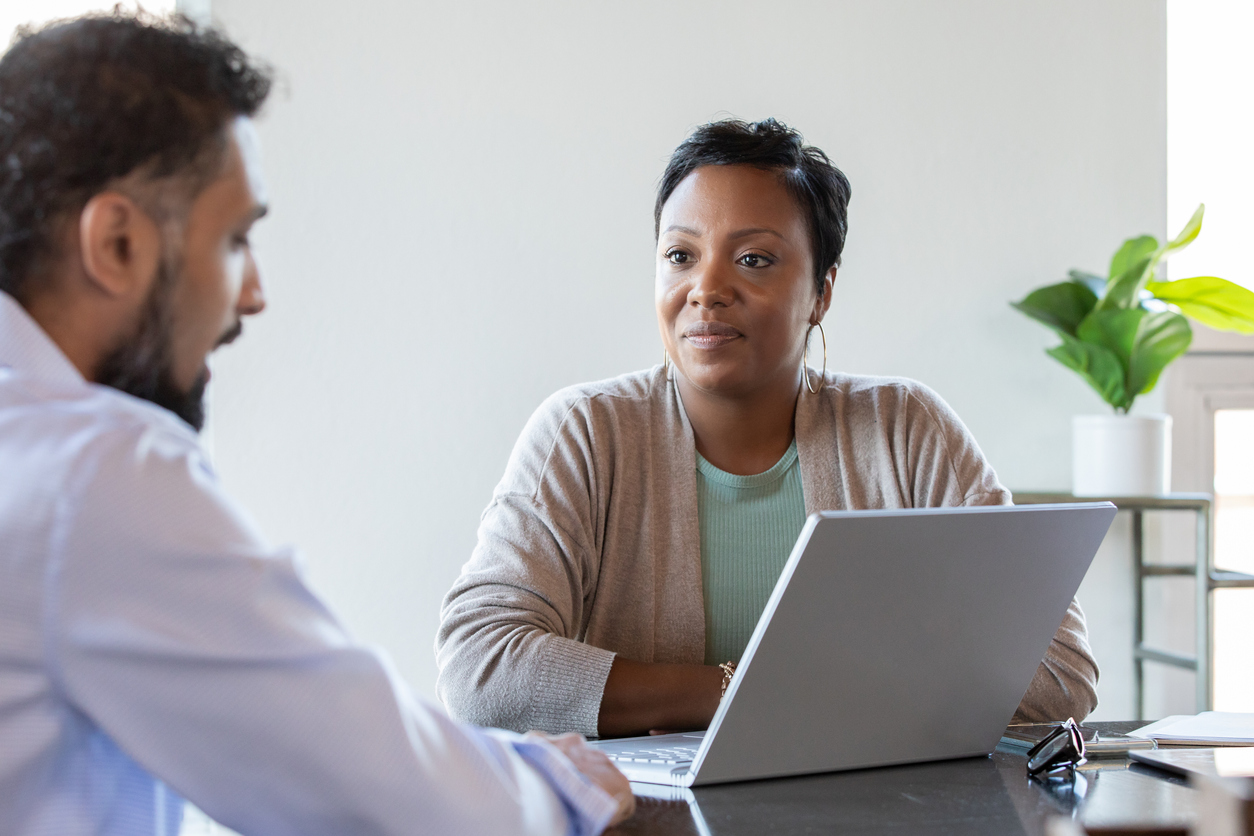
(201, 652)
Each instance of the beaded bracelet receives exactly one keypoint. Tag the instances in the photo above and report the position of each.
(729, 670)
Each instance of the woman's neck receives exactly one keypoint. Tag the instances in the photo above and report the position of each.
(744, 434)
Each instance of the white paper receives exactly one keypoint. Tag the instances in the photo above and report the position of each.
(1209, 726)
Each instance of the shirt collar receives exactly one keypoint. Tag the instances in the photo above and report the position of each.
(26, 348)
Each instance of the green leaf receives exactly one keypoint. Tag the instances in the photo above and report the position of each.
(1060, 306)
(1162, 337)
(1190, 231)
(1133, 251)
(1124, 291)
(1211, 301)
(1099, 367)
(1097, 284)
(1115, 330)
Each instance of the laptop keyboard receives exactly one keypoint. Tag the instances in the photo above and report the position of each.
(664, 754)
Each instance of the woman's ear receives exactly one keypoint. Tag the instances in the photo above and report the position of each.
(120, 245)
(824, 302)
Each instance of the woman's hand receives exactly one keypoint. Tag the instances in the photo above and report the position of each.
(641, 697)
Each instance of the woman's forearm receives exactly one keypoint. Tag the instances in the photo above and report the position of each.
(642, 696)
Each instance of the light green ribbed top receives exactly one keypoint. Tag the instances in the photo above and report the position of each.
(749, 525)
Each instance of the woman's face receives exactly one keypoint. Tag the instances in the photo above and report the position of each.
(735, 281)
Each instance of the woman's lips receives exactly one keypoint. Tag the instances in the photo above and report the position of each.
(711, 334)
(710, 340)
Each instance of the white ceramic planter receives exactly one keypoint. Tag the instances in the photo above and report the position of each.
(1121, 455)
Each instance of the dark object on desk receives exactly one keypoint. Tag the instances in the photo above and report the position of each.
(1106, 744)
(1063, 748)
(1027, 735)
(1066, 789)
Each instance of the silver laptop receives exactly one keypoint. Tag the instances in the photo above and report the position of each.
(891, 637)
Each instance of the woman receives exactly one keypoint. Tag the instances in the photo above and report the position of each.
(642, 521)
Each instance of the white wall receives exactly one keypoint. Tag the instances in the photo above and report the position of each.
(462, 197)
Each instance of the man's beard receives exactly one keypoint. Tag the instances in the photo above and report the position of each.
(142, 364)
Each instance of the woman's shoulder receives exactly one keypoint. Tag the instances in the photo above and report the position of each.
(904, 393)
(587, 427)
(902, 426)
(613, 406)
(645, 385)
(866, 403)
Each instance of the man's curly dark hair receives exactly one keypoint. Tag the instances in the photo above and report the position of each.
(88, 101)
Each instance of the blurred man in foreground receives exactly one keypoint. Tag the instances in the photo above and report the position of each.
(152, 644)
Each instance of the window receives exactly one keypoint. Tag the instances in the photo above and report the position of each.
(1234, 550)
(1210, 392)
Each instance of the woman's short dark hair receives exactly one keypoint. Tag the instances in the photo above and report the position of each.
(819, 187)
(85, 102)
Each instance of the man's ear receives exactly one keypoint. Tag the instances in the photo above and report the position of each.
(120, 245)
(824, 302)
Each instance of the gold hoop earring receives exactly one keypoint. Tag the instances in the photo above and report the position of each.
(805, 360)
(666, 363)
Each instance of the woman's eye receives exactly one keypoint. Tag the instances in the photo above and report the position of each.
(754, 260)
(677, 257)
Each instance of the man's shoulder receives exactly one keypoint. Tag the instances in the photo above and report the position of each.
(82, 458)
(75, 418)
(120, 469)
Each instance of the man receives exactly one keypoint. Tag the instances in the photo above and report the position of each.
(152, 645)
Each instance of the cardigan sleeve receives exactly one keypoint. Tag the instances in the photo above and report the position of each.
(509, 645)
(1065, 684)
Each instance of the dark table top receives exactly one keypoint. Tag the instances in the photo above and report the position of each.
(988, 795)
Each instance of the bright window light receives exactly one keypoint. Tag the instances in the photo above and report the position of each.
(1210, 78)
(1234, 550)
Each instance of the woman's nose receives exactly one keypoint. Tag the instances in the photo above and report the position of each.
(711, 286)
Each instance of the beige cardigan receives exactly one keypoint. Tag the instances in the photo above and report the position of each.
(590, 545)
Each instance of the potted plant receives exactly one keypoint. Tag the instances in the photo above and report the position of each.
(1119, 333)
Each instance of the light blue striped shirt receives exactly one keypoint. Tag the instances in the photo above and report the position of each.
(154, 647)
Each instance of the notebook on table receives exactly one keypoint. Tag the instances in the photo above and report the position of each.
(1210, 728)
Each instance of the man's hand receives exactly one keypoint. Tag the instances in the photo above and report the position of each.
(598, 768)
